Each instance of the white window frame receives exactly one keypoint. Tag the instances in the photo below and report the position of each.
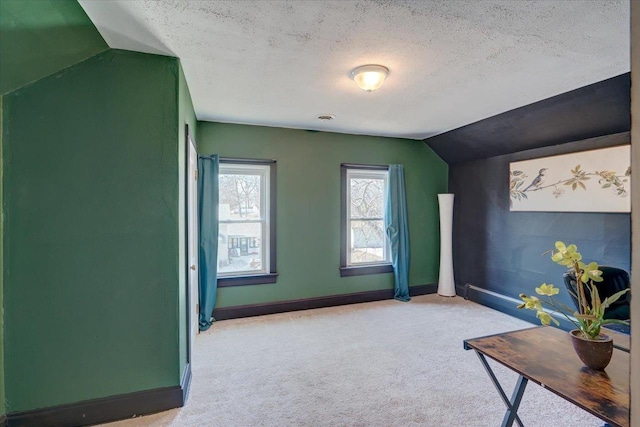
(349, 268)
(265, 169)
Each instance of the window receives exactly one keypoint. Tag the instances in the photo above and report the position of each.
(246, 209)
(364, 242)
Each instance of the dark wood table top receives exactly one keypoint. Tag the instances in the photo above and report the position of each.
(545, 356)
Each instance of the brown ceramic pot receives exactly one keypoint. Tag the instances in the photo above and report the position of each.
(595, 354)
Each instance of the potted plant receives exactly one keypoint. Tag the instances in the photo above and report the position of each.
(593, 347)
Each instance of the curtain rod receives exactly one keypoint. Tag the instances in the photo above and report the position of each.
(237, 159)
(243, 160)
(362, 166)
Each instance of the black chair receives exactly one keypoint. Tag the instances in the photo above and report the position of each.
(615, 279)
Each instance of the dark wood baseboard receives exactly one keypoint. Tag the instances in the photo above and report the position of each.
(106, 409)
(238, 311)
(418, 290)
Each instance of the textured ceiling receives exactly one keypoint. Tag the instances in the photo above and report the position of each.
(283, 63)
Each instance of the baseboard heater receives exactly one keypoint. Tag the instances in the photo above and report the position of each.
(508, 305)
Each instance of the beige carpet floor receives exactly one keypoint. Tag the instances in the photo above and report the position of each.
(384, 363)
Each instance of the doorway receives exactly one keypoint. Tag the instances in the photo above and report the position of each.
(192, 240)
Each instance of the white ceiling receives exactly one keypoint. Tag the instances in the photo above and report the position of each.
(283, 63)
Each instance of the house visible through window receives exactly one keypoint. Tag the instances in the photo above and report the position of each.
(246, 215)
(364, 239)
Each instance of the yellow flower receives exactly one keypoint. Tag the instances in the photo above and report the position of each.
(590, 272)
(545, 318)
(566, 255)
(530, 303)
(548, 290)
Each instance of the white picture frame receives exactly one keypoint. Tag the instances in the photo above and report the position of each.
(587, 181)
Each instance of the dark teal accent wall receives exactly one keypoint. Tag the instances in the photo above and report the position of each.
(186, 116)
(42, 37)
(308, 206)
(91, 206)
(600, 108)
(501, 251)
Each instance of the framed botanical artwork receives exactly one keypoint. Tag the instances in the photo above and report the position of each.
(587, 181)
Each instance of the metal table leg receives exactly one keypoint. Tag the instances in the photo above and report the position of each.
(512, 404)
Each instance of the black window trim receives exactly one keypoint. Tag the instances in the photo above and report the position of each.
(346, 271)
(272, 275)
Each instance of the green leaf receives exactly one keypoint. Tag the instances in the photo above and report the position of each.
(585, 317)
(618, 321)
(606, 185)
(564, 307)
(582, 185)
(613, 298)
(573, 294)
(595, 298)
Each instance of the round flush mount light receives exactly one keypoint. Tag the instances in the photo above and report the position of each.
(326, 117)
(369, 77)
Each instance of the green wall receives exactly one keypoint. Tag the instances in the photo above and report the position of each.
(38, 38)
(186, 115)
(2, 393)
(42, 37)
(308, 206)
(91, 236)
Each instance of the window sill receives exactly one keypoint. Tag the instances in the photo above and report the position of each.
(365, 269)
(258, 279)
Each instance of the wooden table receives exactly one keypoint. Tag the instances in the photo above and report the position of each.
(545, 356)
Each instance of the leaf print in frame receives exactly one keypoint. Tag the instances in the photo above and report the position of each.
(587, 181)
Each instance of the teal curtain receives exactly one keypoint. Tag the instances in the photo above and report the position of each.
(208, 167)
(396, 224)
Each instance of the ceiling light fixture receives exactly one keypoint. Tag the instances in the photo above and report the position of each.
(369, 77)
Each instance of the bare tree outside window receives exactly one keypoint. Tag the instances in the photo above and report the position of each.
(241, 193)
(367, 198)
(367, 240)
(243, 228)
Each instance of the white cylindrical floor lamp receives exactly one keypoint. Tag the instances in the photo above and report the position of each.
(446, 284)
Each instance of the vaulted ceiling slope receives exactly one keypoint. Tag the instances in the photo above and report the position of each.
(599, 109)
(38, 38)
(283, 63)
